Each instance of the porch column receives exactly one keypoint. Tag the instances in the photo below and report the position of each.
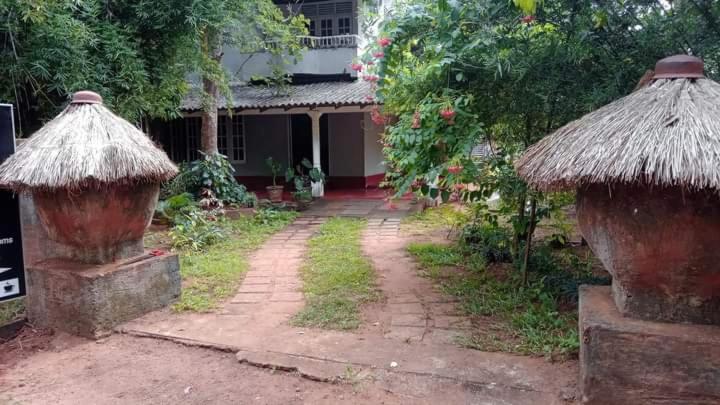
(317, 188)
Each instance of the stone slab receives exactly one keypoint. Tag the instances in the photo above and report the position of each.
(631, 361)
(90, 300)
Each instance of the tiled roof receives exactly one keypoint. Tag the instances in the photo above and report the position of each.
(325, 94)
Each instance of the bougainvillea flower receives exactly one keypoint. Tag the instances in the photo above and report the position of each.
(379, 55)
(384, 42)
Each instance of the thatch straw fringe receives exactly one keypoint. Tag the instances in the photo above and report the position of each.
(85, 146)
(667, 134)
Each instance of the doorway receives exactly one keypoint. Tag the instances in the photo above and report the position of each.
(301, 140)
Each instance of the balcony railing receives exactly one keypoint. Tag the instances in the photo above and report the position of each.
(335, 41)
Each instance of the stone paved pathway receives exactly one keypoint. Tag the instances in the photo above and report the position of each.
(271, 292)
(414, 311)
(418, 326)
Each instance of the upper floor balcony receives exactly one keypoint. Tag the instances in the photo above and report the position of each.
(329, 42)
(331, 45)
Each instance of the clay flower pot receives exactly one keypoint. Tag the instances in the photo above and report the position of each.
(275, 193)
(98, 226)
(662, 247)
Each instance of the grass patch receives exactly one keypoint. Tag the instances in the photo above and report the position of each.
(11, 310)
(509, 317)
(445, 216)
(214, 274)
(337, 277)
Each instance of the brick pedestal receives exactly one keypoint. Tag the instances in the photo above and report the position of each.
(90, 300)
(630, 361)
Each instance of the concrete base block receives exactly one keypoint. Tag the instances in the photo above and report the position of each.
(631, 361)
(90, 300)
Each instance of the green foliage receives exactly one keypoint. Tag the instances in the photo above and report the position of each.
(527, 319)
(302, 180)
(275, 168)
(511, 73)
(212, 172)
(212, 275)
(337, 277)
(196, 230)
(170, 208)
(137, 54)
(271, 216)
(215, 172)
(491, 242)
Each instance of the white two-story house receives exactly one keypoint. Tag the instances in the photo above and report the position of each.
(324, 116)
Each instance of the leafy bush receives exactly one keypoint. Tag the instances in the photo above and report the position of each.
(268, 216)
(213, 172)
(492, 242)
(301, 179)
(196, 230)
(184, 182)
(171, 207)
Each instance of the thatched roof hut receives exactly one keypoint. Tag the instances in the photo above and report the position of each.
(86, 146)
(666, 133)
(647, 173)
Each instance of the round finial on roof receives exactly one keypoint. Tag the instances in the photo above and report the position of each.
(679, 66)
(86, 97)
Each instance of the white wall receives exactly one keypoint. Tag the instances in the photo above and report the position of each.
(374, 159)
(314, 61)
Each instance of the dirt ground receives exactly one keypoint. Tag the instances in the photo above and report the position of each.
(129, 370)
(413, 327)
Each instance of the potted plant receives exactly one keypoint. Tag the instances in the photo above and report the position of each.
(302, 198)
(275, 192)
(303, 182)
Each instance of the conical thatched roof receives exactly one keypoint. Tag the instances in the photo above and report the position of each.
(85, 146)
(666, 133)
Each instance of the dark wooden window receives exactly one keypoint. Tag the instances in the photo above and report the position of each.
(326, 27)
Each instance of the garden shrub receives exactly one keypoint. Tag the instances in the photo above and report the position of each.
(196, 229)
(491, 242)
(173, 206)
(213, 172)
(562, 275)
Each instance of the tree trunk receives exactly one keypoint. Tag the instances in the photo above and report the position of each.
(521, 217)
(209, 130)
(528, 239)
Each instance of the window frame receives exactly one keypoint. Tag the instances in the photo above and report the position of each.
(228, 132)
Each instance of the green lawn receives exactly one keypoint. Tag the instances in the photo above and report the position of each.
(445, 216)
(337, 277)
(515, 319)
(214, 274)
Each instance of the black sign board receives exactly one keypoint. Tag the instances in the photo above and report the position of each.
(12, 270)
